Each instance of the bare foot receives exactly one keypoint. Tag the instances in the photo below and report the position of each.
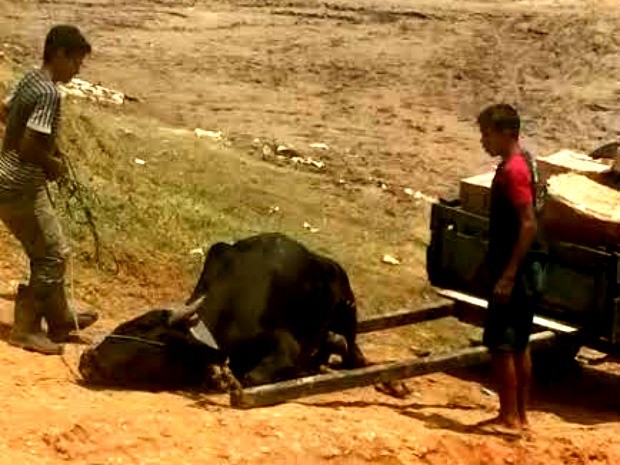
(499, 425)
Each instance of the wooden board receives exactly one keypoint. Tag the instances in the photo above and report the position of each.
(582, 211)
(271, 394)
(543, 322)
(568, 161)
(434, 310)
(475, 193)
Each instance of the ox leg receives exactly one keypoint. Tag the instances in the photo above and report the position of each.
(334, 344)
(278, 364)
(356, 359)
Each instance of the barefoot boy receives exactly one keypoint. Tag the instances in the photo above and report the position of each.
(512, 232)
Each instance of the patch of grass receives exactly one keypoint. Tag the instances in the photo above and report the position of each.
(191, 193)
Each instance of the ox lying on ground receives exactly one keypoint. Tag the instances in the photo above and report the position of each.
(156, 351)
(275, 309)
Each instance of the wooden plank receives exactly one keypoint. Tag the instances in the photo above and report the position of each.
(320, 384)
(566, 161)
(544, 322)
(444, 216)
(475, 193)
(431, 311)
(462, 297)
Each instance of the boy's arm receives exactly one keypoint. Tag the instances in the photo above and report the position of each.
(40, 149)
(519, 190)
(527, 234)
(4, 113)
(38, 144)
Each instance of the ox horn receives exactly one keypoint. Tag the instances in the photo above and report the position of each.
(187, 312)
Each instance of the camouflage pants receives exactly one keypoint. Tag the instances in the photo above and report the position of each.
(33, 221)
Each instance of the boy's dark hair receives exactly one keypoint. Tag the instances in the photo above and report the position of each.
(500, 117)
(67, 38)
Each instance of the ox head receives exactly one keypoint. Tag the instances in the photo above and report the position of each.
(156, 351)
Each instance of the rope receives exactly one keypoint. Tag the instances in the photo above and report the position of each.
(75, 375)
(72, 289)
(136, 339)
(71, 301)
(71, 297)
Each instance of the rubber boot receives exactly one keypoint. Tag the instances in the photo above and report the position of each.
(26, 332)
(61, 321)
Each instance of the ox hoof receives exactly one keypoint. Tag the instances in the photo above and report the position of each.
(325, 369)
(400, 390)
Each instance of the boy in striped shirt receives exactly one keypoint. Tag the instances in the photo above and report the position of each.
(30, 158)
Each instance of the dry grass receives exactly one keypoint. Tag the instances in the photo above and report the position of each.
(191, 193)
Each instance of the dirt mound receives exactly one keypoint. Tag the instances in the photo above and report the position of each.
(559, 69)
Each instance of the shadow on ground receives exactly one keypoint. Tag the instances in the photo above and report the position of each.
(581, 394)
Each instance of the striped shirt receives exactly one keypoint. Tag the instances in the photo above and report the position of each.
(34, 104)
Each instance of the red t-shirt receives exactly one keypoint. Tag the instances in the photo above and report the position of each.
(515, 179)
(511, 191)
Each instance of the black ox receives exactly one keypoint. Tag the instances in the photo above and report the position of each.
(275, 310)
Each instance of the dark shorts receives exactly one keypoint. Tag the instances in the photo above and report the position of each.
(508, 326)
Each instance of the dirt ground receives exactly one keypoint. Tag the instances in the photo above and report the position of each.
(392, 89)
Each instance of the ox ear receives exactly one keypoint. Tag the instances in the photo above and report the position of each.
(186, 313)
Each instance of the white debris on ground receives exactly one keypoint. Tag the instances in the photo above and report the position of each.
(310, 228)
(283, 151)
(95, 92)
(420, 195)
(176, 131)
(390, 260)
(319, 145)
(204, 134)
(139, 161)
(197, 251)
(308, 161)
(267, 150)
(274, 209)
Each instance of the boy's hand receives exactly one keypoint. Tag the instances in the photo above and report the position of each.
(4, 113)
(55, 168)
(503, 289)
